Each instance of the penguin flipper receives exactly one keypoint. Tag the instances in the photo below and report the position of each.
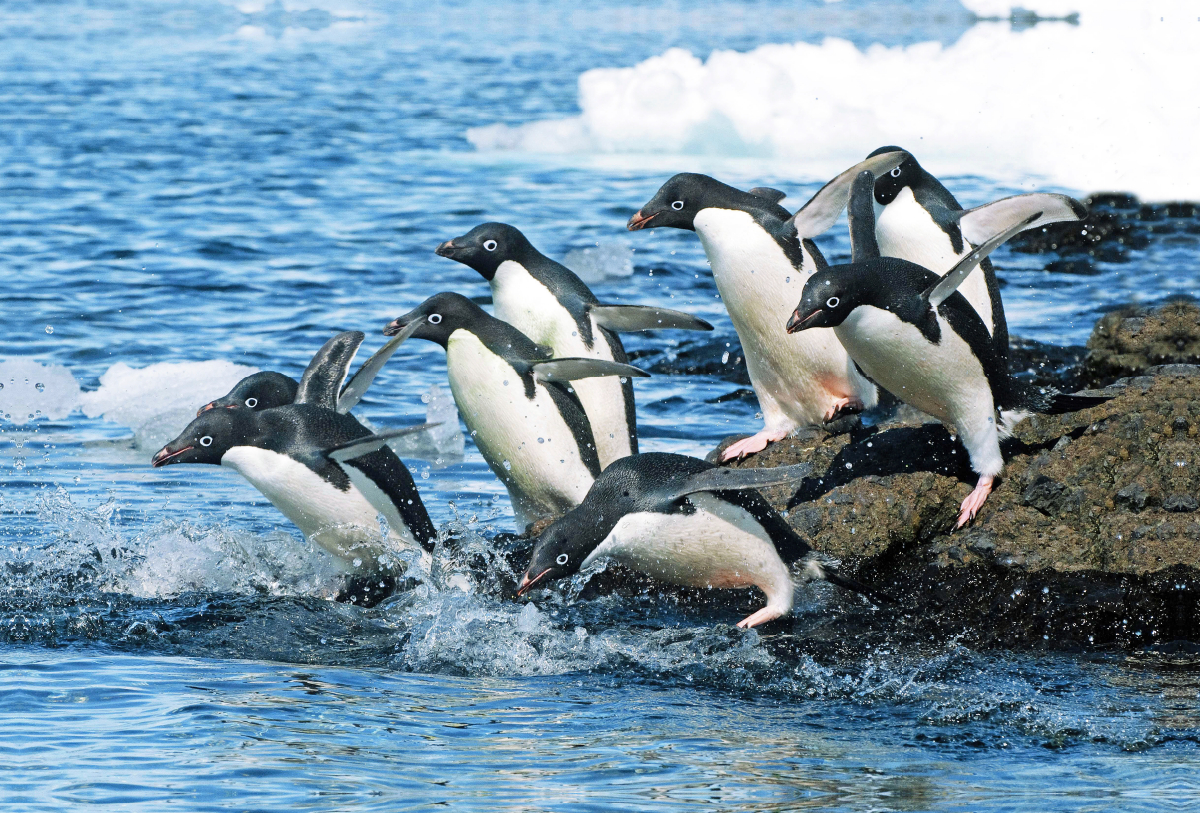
(824, 208)
(826, 573)
(1061, 402)
(727, 479)
(937, 293)
(768, 194)
(980, 223)
(573, 369)
(371, 443)
(631, 318)
(325, 373)
(863, 245)
(358, 384)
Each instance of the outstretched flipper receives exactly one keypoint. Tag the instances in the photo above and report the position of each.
(768, 194)
(325, 373)
(980, 223)
(371, 443)
(816, 570)
(631, 318)
(863, 245)
(358, 384)
(937, 293)
(573, 369)
(824, 208)
(726, 479)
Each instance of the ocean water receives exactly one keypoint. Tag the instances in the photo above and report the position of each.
(199, 189)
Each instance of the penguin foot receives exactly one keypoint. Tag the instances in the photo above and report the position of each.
(761, 617)
(974, 501)
(752, 444)
(851, 404)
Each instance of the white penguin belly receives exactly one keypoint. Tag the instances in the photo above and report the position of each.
(797, 377)
(720, 545)
(344, 523)
(905, 230)
(944, 380)
(526, 442)
(529, 306)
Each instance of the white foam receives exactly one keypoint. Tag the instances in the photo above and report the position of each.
(608, 259)
(1106, 104)
(30, 390)
(158, 401)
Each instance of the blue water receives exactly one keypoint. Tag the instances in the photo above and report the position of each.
(190, 181)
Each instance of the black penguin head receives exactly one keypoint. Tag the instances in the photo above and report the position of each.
(208, 437)
(888, 185)
(827, 300)
(560, 551)
(486, 246)
(260, 391)
(437, 317)
(677, 202)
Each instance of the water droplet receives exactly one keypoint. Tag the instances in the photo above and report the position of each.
(507, 466)
(40, 387)
(506, 382)
(357, 562)
(541, 440)
(49, 329)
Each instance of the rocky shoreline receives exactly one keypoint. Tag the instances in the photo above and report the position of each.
(1092, 538)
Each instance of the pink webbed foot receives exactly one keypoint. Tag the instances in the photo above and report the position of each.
(974, 501)
(850, 404)
(761, 617)
(752, 444)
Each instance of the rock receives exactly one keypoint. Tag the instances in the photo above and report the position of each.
(1128, 341)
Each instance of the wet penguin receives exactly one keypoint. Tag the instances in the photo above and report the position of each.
(687, 522)
(523, 416)
(917, 219)
(761, 256)
(913, 333)
(547, 302)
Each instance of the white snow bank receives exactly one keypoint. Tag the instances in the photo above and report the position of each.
(29, 390)
(1107, 104)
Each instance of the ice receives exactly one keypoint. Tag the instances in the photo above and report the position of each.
(1033, 105)
(30, 390)
(443, 443)
(158, 401)
(608, 259)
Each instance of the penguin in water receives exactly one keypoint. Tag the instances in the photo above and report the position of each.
(325, 380)
(326, 472)
(687, 522)
(761, 256)
(917, 219)
(547, 302)
(524, 417)
(913, 333)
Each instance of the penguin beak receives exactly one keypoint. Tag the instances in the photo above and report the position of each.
(797, 322)
(446, 249)
(639, 220)
(205, 408)
(401, 328)
(528, 583)
(165, 457)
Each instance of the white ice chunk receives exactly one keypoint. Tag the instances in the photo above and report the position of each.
(158, 401)
(442, 443)
(29, 390)
(608, 259)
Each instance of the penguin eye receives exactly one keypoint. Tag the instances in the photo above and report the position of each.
(677, 205)
(252, 402)
(832, 302)
(490, 245)
(895, 173)
(562, 558)
(206, 440)
(435, 318)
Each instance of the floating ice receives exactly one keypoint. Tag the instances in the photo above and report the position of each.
(442, 443)
(29, 390)
(1001, 101)
(608, 259)
(158, 401)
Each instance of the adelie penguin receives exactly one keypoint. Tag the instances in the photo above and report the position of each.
(547, 302)
(323, 470)
(917, 219)
(687, 522)
(913, 333)
(518, 402)
(761, 256)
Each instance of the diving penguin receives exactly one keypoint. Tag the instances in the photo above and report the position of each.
(687, 522)
(547, 302)
(921, 340)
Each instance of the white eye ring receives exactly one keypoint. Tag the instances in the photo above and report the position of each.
(895, 173)
(252, 402)
(490, 245)
(435, 318)
(562, 558)
(832, 302)
(206, 440)
(677, 205)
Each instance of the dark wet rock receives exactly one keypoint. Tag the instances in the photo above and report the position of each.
(1130, 340)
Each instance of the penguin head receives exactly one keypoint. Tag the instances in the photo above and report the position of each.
(679, 200)
(208, 437)
(560, 551)
(826, 301)
(437, 317)
(259, 391)
(888, 185)
(485, 247)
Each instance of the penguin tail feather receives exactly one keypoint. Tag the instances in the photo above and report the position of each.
(814, 570)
